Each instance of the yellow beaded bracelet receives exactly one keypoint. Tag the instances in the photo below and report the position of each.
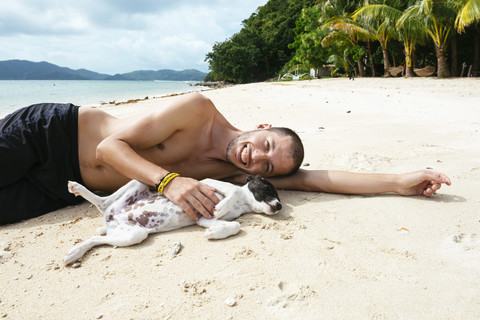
(165, 180)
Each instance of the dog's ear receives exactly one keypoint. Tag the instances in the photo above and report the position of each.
(249, 177)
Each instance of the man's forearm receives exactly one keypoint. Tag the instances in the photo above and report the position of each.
(352, 182)
(422, 182)
(338, 182)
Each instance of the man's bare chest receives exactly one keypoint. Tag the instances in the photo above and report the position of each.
(188, 156)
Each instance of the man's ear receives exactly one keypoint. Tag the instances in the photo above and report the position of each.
(264, 126)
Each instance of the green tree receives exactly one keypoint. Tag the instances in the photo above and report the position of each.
(437, 16)
(262, 44)
(468, 14)
(235, 60)
(345, 37)
(380, 20)
(309, 52)
(410, 32)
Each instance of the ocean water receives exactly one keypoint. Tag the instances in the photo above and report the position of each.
(15, 94)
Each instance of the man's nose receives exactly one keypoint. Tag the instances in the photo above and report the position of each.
(258, 156)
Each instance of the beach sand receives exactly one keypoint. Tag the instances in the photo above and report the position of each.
(324, 256)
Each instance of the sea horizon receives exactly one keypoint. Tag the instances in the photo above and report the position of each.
(15, 94)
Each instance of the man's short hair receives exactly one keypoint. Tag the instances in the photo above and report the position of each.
(296, 150)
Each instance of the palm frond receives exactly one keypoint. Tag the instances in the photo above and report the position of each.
(468, 14)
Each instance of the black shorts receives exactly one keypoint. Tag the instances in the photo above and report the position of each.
(38, 155)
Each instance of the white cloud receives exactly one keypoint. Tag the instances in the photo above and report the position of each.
(116, 36)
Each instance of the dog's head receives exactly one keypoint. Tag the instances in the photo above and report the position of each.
(265, 194)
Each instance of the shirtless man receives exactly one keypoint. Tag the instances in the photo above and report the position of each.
(39, 153)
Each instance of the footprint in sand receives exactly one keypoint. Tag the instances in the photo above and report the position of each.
(464, 248)
(5, 252)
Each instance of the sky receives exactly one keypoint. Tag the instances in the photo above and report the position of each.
(119, 36)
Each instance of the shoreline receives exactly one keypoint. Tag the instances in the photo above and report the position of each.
(22, 93)
(323, 255)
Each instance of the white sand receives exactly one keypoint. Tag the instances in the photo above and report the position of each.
(324, 256)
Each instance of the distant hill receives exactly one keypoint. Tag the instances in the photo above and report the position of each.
(165, 74)
(28, 70)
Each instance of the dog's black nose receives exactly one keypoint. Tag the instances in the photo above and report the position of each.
(278, 206)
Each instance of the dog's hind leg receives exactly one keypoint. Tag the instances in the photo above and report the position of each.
(103, 202)
(121, 238)
(78, 190)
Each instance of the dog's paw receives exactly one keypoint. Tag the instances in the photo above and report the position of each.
(222, 229)
(102, 231)
(223, 208)
(226, 205)
(73, 188)
(72, 256)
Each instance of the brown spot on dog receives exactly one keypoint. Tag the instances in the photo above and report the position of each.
(131, 200)
(130, 220)
(144, 217)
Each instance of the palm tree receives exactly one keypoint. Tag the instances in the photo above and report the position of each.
(410, 32)
(469, 13)
(380, 20)
(347, 31)
(437, 17)
(344, 32)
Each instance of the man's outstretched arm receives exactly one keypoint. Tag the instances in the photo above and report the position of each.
(423, 182)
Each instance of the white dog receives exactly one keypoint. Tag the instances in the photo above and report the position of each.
(132, 212)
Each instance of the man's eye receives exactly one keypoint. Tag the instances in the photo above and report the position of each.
(268, 145)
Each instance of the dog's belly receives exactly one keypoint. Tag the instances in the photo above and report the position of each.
(155, 213)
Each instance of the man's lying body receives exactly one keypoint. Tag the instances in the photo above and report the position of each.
(190, 137)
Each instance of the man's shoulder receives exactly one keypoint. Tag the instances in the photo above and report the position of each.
(196, 106)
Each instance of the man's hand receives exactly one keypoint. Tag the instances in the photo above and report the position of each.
(192, 196)
(423, 182)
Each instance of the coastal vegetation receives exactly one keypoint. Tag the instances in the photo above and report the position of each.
(355, 37)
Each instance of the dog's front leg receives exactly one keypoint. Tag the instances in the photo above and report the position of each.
(232, 195)
(219, 229)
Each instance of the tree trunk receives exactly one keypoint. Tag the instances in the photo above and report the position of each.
(409, 66)
(414, 59)
(476, 50)
(361, 67)
(372, 66)
(408, 60)
(453, 58)
(386, 63)
(442, 67)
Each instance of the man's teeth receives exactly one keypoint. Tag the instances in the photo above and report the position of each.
(244, 155)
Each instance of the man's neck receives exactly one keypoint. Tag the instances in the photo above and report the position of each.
(221, 136)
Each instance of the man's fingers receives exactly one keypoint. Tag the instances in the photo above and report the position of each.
(201, 208)
(192, 196)
(189, 211)
(439, 178)
(436, 186)
(428, 192)
(209, 193)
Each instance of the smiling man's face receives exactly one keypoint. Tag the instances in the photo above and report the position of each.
(262, 152)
